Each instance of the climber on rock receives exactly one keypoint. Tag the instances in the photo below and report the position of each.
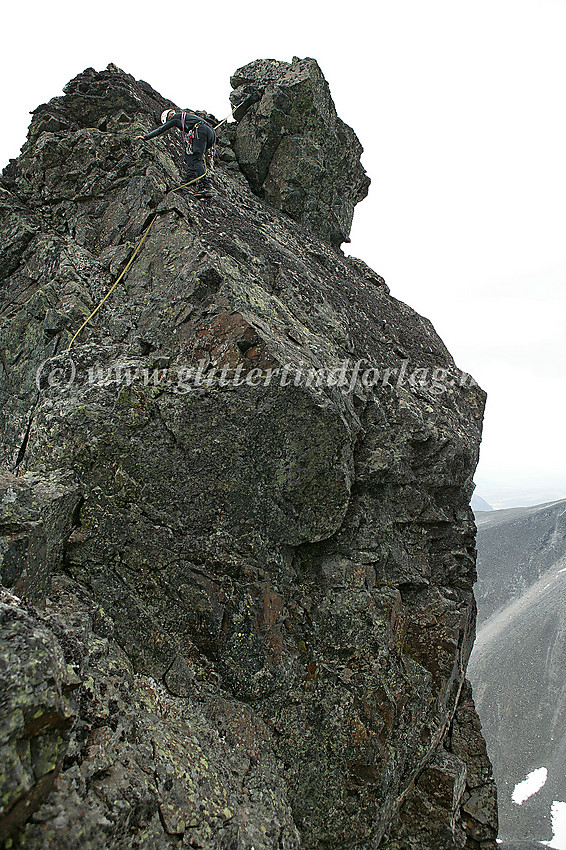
(198, 137)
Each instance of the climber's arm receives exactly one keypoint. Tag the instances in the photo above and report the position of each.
(173, 122)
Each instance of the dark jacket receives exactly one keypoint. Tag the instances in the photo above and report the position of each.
(203, 129)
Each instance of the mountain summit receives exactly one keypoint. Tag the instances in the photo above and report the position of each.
(235, 534)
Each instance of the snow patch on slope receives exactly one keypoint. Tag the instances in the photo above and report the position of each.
(529, 786)
(558, 840)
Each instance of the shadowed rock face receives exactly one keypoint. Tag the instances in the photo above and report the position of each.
(264, 577)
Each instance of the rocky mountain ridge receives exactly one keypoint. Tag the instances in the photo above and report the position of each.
(239, 601)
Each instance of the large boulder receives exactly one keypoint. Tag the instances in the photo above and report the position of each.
(293, 148)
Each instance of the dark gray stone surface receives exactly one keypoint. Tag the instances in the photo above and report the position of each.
(266, 592)
(294, 149)
(36, 517)
(35, 713)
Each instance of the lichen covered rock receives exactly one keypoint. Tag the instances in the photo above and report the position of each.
(35, 713)
(293, 148)
(453, 802)
(36, 517)
(266, 588)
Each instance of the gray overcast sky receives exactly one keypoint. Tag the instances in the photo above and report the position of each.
(460, 107)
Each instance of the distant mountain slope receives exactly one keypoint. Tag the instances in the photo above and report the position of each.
(518, 664)
(479, 504)
(515, 547)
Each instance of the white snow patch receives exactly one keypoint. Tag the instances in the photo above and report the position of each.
(529, 786)
(558, 813)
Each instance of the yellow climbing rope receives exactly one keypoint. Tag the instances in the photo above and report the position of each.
(194, 180)
(223, 121)
(140, 243)
(115, 284)
(130, 261)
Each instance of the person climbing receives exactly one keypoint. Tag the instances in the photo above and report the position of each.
(198, 137)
